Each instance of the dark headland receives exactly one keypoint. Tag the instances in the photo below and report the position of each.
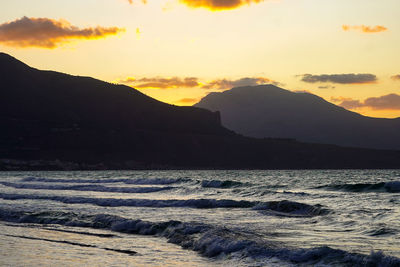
(51, 120)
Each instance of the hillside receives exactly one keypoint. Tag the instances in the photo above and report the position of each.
(269, 111)
(52, 120)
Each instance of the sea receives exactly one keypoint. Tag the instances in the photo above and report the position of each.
(200, 218)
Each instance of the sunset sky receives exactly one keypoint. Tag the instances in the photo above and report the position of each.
(178, 51)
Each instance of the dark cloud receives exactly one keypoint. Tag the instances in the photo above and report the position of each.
(162, 83)
(47, 33)
(391, 101)
(217, 5)
(326, 87)
(388, 102)
(350, 78)
(365, 29)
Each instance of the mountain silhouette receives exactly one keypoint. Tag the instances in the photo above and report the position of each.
(269, 111)
(51, 120)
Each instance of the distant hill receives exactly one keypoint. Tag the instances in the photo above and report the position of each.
(269, 111)
(51, 120)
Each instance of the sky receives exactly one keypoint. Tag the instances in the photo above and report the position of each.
(178, 51)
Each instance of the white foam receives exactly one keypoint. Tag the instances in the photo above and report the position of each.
(210, 241)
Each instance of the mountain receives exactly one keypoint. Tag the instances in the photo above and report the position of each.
(269, 111)
(51, 120)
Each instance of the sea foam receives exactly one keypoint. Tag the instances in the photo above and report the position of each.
(208, 240)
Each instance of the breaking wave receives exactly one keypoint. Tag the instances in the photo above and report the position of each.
(94, 188)
(208, 240)
(282, 208)
(389, 187)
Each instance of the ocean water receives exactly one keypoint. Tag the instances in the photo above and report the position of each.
(200, 218)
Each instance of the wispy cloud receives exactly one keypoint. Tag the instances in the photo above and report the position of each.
(218, 5)
(326, 87)
(386, 102)
(348, 103)
(162, 83)
(48, 33)
(364, 28)
(350, 78)
(191, 82)
(396, 77)
(188, 101)
(222, 84)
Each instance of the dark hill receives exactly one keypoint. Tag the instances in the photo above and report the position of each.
(48, 119)
(73, 102)
(269, 111)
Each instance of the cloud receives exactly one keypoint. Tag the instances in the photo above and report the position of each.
(351, 104)
(188, 100)
(191, 82)
(213, 5)
(48, 33)
(391, 101)
(365, 29)
(350, 78)
(162, 83)
(228, 84)
(340, 99)
(386, 102)
(218, 5)
(396, 77)
(326, 87)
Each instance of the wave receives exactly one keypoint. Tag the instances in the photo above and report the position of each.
(381, 230)
(208, 240)
(94, 188)
(389, 187)
(220, 184)
(138, 181)
(283, 207)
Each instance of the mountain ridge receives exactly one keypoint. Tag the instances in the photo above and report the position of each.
(52, 120)
(270, 111)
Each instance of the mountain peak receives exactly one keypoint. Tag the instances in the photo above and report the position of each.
(7, 57)
(269, 111)
(8, 61)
